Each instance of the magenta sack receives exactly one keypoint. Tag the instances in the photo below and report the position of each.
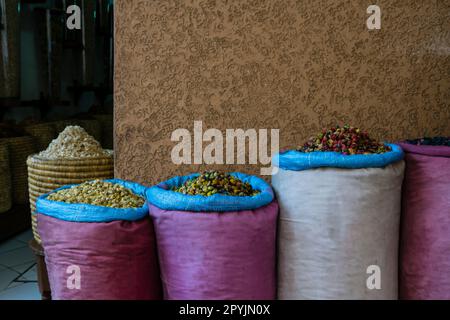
(99, 253)
(425, 228)
(213, 254)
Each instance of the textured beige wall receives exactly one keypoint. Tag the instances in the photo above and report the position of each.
(293, 65)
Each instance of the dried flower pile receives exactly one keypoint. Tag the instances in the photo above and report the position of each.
(346, 140)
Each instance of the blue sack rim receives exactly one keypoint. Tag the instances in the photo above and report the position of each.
(81, 212)
(296, 161)
(164, 198)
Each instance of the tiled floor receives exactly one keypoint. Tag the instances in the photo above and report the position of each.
(18, 278)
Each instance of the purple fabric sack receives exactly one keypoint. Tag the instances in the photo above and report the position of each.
(425, 230)
(116, 260)
(217, 255)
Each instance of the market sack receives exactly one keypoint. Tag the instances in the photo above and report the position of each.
(339, 224)
(101, 253)
(425, 232)
(218, 247)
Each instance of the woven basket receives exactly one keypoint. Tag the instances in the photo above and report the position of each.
(19, 149)
(107, 123)
(43, 133)
(5, 179)
(46, 175)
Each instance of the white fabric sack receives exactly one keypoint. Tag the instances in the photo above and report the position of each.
(334, 224)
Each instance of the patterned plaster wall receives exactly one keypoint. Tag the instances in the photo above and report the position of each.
(293, 65)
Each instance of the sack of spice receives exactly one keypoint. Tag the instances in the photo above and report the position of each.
(99, 242)
(425, 228)
(339, 197)
(216, 236)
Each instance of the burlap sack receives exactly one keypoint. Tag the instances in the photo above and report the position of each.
(334, 224)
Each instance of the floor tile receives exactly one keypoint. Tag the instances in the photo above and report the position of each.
(16, 257)
(30, 275)
(25, 236)
(11, 245)
(26, 291)
(22, 267)
(6, 277)
(13, 285)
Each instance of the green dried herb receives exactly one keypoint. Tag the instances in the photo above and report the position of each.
(214, 182)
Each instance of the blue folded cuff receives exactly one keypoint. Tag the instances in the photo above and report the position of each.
(296, 161)
(164, 198)
(81, 212)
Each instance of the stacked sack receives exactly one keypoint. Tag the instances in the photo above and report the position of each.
(339, 197)
(216, 236)
(425, 232)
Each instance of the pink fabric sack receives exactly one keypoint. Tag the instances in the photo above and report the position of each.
(215, 248)
(425, 230)
(116, 260)
(217, 256)
(99, 253)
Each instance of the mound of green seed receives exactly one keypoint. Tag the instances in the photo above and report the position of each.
(215, 182)
(99, 193)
